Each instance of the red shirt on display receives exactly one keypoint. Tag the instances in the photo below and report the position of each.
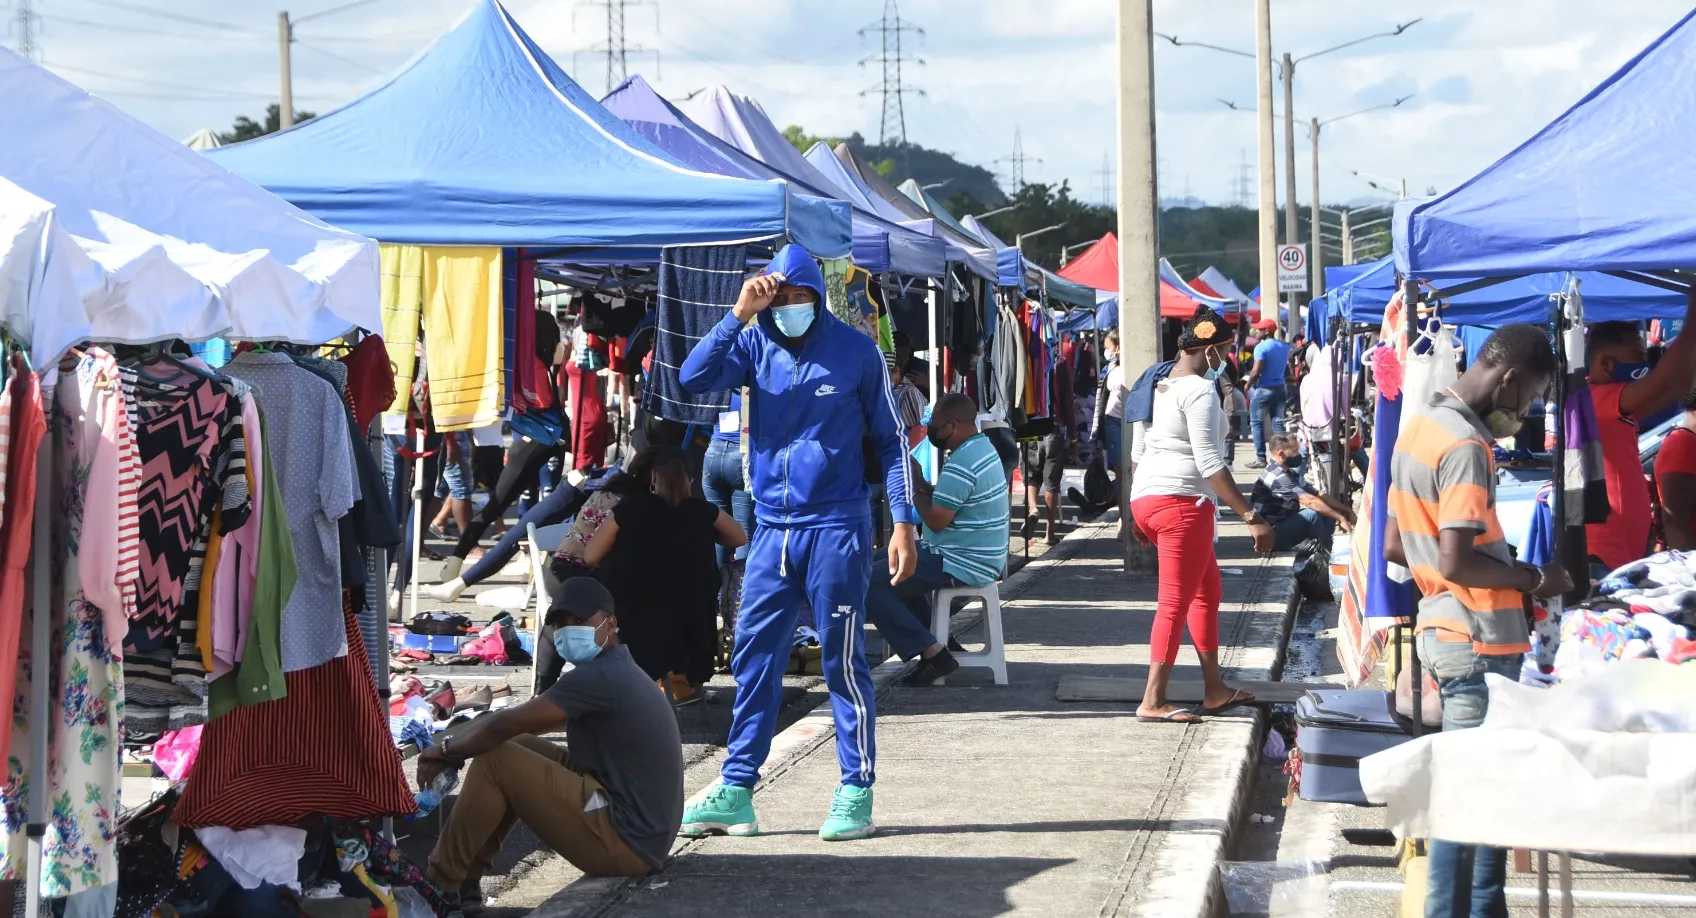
(1677, 457)
(1624, 538)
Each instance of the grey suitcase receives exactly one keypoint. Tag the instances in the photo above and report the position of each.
(1335, 729)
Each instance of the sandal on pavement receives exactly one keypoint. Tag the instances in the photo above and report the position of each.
(1172, 717)
(1238, 699)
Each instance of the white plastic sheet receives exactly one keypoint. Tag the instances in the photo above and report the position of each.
(1603, 764)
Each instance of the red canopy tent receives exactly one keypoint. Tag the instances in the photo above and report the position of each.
(1097, 266)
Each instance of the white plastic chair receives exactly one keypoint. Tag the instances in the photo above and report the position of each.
(994, 654)
(540, 543)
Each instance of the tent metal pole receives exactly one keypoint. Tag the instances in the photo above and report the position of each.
(417, 528)
(41, 666)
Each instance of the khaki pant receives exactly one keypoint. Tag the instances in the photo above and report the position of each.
(530, 779)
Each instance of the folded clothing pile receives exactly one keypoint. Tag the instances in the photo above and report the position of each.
(1644, 610)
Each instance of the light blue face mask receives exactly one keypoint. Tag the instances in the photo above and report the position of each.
(1213, 372)
(576, 643)
(793, 320)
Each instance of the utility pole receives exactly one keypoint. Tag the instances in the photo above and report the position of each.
(1292, 210)
(1139, 225)
(615, 51)
(1268, 180)
(1016, 161)
(285, 66)
(1316, 258)
(23, 20)
(890, 29)
(1348, 239)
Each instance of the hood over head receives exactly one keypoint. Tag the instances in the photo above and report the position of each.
(799, 269)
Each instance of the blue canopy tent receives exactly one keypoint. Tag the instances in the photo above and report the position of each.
(1009, 261)
(482, 139)
(842, 176)
(1338, 275)
(823, 225)
(963, 248)
(879, 245)
(1604, 187)
(1524, 299)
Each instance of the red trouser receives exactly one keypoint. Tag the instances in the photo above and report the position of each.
(589, 427)
(1182, 531)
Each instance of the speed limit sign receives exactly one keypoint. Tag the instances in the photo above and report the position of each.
(1292, 268)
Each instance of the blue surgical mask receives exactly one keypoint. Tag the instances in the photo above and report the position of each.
(576, 643)
(1213, 372)
(793, 320)
(1630, 372)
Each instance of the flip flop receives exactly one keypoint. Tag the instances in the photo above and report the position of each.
(1170, 717)
(1238, 699)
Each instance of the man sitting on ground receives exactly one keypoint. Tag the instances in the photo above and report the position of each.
(965, 539)
(609, 801)
(1295, 509)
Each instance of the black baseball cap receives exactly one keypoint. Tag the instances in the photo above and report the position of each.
(580, 597)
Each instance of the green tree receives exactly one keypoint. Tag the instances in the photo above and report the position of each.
(804, 141)
(246, 128)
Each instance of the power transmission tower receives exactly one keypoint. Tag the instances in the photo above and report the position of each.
(1242, 188)
(23, 27)
(615, 49)
(1016, 162)
(1105, 174)
(890, 30)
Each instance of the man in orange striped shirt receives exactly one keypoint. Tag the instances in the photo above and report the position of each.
(1443, 526)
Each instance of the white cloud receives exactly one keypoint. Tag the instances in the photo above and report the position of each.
(1487, 74)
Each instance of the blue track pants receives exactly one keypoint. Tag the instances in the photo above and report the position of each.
(824, 573)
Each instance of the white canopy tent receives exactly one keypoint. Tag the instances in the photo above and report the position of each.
(113, 232)
(203, 139)
(176, 246)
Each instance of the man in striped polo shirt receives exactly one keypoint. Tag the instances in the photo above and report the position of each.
(964, 543)
(1443, 526)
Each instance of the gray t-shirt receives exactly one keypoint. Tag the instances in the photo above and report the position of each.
(620, 729)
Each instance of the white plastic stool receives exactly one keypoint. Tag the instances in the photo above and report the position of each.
(994, 654)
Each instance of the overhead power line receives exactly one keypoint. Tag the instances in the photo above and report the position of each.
(175, 17)
(139, 30)
(200, 90)
(334, 56)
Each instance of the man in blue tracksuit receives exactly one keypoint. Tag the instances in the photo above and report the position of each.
(818, 387)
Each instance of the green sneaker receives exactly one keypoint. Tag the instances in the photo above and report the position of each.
(727, 810)
(850, 814)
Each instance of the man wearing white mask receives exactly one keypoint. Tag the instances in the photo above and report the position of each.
(609, 801)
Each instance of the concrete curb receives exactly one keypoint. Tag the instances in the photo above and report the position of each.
(1186, 869)
(594, 896)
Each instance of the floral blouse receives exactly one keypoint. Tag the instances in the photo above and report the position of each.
(597, 510)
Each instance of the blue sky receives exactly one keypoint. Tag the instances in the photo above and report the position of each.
(1485, 74)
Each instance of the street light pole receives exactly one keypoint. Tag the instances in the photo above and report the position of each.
(1268, 181)
(1317, 256)
(1292, 209)
(1139, 226)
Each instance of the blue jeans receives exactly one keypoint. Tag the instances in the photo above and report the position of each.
(1111, 432)
(723, 487)
(1291, 531)
(902, 612)
(1266, 406)
(1464, 881)
(557, 507)
(457, 479)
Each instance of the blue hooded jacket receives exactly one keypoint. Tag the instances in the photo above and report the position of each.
(809, 410)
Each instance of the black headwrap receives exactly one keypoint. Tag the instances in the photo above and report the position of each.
(1206, 329)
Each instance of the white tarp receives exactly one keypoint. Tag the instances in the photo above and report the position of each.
(1606, 764)
(178, 246)
(43, 273)
(203, 139)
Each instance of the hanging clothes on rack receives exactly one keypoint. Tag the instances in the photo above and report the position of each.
(308, 444)
(79, 852)
(25, 425)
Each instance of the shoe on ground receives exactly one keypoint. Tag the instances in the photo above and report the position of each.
(446, 592)
(1255, 464)
(727, 810)
(519, 566)
(930, 669)
(850, 814)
